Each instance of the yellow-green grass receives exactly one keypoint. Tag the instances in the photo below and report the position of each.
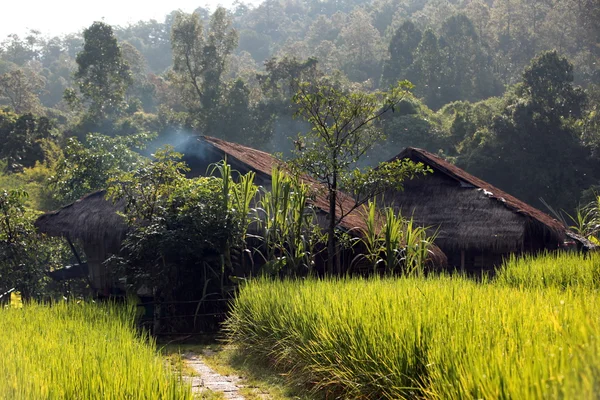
(558, 269)
(81, 351)
(438, 338)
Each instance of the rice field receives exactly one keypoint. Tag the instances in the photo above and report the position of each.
(559, 269)
(81, 351)
(435, 338)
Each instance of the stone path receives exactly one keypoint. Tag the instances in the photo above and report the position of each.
(209, 379)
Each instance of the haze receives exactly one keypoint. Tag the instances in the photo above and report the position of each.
(67, 16)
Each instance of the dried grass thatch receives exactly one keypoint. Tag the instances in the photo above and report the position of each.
(472, 214)
(92, 219)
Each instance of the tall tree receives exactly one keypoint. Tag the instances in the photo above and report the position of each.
(361, 48)
(534, 147)
(468, 71)
(401, 51)
(342, 132)
(199, 60)
(21, 89)
(102, 75)
(428, 70)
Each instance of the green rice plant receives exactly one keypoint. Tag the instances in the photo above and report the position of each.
(71, 350)
(558, 269)
(435, 337)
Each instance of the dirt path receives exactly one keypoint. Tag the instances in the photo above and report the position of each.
(209, 379)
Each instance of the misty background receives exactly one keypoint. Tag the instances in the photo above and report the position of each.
(507, 89)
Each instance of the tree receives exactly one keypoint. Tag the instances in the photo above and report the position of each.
(468, 69)
(21, 88)
(342, 132)
(428, 70)
(199, 60)
(533, 149)
(402, 47)
(86, 167)
(361, 49)
(22, 137)
(25, 257)
(103, 76)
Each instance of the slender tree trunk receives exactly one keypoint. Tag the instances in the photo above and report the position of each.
(331, 231)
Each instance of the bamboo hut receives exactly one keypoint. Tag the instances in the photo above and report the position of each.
(477, 224)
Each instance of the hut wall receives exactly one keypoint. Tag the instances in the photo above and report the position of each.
(465, 219)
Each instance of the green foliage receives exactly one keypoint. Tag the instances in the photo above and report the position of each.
(438, 337)
(183, 232)
(20, 88)
(24, 256)
(102, 75)
(101, 355)
(86, 167)
(288, 228)
(22, 138)
(403, 44)
(391, 243)
(199, 61)
(342, 132)
(533, 148)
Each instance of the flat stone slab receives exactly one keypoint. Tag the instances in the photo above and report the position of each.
(209, 379)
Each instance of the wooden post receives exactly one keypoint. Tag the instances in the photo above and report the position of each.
(462, 260)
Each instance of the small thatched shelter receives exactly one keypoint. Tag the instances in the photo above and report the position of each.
(93, 221)
(477, 224)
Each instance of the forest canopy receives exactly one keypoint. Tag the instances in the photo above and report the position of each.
(507, 89)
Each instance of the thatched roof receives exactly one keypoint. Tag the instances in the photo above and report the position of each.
(92, 219)
(478, 204)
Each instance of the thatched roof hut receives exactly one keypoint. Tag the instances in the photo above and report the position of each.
(94, 221)
(477, 224)
(245, 159)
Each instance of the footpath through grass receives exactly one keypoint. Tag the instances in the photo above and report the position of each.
(81, 351)
(442, 337)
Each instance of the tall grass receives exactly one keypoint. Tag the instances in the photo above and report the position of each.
(558, 269)
(288, 226)
(80, 351)
(438, 338)
(393, 243)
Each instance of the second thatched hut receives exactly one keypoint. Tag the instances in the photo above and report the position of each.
(477, 224)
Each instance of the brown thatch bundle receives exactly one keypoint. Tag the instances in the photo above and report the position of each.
(92, 219)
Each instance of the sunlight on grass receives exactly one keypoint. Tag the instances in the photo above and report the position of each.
(81, 351)
(446, 338)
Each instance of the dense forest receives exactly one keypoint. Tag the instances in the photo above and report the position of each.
(507, 89)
